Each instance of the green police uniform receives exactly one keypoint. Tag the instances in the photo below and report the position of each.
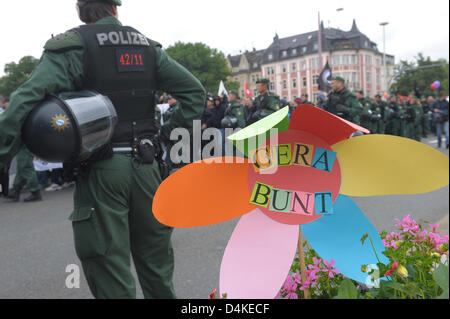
(25, 176)
(264, 105)
(418, 121)
(112, 215)
(366, 114)
(393, 119)
(345, 105)
(236, 109)
(410, 119)
(402, 120)
(425, 119)
(376, 118)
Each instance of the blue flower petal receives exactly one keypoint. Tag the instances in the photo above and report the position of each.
(338, 237)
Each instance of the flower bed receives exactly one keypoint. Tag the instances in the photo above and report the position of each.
(418, 269)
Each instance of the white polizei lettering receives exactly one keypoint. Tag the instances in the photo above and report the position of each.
(114, 37)
(129, 37)
(122, 39)
(102, 38)
(143, 40)
(135, 38)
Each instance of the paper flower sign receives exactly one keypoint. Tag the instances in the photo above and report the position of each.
(299, 176)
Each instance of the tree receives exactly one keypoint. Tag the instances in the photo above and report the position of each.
(421, 73)
(17, 74)
(206, 64)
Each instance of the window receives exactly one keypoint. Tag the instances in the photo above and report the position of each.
(272, 70)
(354, 59)
(336, 60)
(313, 63)
(315, 97)
(378, 62)
(270, 56)
(253, 79)
(284, 84)
(368, 77)
(294, 51)
(294, 67)
(315, 80)
(271, 87)
(378, 79)
(304, 82)
(284, 54)
(315, 46)
(368, 60)
(303, 65)
(268, 71)
(284, 68)
(303, 49)
(346, 76)
(294, 83)
(345, 59)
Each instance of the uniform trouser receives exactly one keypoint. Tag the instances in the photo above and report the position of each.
(26, 175)
(442, 128)
(410, 130)
(112, 220)
(381, 127)
(425, 125)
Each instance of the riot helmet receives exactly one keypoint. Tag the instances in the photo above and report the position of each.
(70, 127)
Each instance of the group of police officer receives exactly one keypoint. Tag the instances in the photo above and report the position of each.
(401, 116)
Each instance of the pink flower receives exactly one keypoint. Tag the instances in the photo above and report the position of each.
(390, 271)
(213, 295)
(434, 227)
(329, 268)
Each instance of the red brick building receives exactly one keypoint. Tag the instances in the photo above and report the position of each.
(293, 67)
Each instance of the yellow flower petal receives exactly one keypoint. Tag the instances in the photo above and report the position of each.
(375, 165)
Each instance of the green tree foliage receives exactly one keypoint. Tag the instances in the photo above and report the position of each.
(422, 71)
(17, 74)
(206, 64)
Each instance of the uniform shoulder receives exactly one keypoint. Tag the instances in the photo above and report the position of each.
(64, 41)
(155, 43)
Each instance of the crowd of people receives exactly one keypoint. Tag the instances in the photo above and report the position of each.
(404, 116)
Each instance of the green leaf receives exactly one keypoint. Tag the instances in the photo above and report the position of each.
(412, 273)
(441, 277)
(347, 290)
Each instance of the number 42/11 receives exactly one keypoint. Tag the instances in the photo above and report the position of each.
(131, 59)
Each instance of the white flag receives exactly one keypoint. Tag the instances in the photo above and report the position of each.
(222, 89)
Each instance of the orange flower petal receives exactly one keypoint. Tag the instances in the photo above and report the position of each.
(204, 193)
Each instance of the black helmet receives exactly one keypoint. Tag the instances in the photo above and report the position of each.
(229, 122)
(69, 127)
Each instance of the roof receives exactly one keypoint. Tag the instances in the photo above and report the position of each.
(307, 43)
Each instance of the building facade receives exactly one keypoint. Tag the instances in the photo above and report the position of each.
(293, 64)
(246, 67)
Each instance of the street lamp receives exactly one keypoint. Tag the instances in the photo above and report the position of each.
(384, 24)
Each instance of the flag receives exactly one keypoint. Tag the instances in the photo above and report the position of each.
(324, 79)
(222, 89)
(248, 92)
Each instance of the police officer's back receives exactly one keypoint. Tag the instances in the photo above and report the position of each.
(112, 217)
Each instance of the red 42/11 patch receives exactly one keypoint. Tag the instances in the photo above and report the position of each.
(130, 60)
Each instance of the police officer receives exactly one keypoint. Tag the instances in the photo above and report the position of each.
(426, 107)
(393, 118)
(112, 217)
(234, 110)
(342, 102)
(410, 120)
(25, 176)
(366, 113)
(384, 113)
(305, 99)
(265, 103)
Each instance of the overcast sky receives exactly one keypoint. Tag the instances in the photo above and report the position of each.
(234, 25)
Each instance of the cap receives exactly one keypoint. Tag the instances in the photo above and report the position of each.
(338, 78)
(298, 101)
(210, 99)
(263, 81)
(235, 93)
(116, 2)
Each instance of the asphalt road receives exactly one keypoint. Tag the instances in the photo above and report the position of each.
(36, 244)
